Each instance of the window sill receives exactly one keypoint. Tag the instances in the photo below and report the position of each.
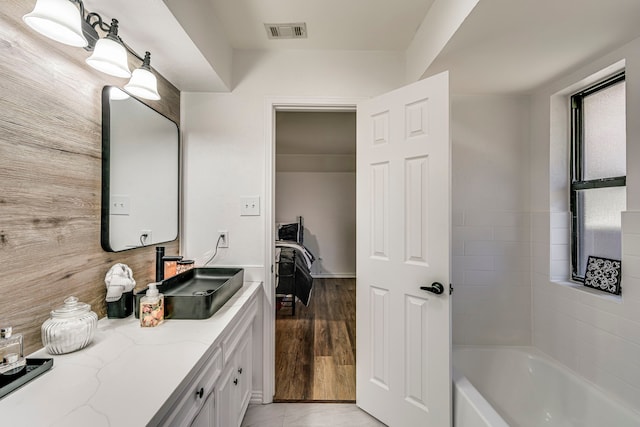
(581, 288)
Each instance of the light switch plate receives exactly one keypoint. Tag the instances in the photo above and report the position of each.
(119, 205)
(249, 206)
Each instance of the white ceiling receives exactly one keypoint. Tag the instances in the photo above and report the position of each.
(507, 46)
(504, 46)
(331, 24)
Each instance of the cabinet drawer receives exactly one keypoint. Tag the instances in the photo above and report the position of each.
(199, 389)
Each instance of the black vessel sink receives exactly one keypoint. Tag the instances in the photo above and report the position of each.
(197, 293)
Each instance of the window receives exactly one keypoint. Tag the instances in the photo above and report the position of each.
(598, 172)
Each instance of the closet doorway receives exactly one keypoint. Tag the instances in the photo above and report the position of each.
(314, 196)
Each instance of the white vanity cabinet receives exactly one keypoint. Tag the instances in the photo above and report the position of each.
(219, 392)
(182, 373)
(234, 390)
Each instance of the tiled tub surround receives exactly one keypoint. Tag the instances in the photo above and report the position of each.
(491, 265)
(490, 220)
(596, 335)
(128, 373)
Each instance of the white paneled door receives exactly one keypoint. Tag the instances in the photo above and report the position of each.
(403, 244)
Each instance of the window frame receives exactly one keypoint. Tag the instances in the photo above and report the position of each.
(577, 181)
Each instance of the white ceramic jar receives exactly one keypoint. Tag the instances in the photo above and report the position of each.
(70, 327)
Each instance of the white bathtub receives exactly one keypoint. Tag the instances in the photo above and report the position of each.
(522, 387)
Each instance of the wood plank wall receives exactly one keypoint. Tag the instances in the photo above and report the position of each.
(50, 177)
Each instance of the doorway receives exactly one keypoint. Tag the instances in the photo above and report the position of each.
(403, 163)
(315, 300)
(275, 106)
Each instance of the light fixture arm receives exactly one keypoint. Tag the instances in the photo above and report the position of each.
(98, 22)
(131, 51)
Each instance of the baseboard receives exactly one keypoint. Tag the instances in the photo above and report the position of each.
(334, 276)
(256, 398)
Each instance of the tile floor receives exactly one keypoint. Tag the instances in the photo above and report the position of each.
(308, 415)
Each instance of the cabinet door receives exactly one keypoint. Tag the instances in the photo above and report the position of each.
(205, 416)
(245, 371)
(227, 408)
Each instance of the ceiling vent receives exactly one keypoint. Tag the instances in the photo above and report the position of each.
(287, 31)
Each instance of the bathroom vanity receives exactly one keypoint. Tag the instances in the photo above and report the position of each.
(182, 373)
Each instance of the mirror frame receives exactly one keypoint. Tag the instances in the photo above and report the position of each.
(106, 173)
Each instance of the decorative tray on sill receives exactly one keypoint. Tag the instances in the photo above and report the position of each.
(33, 368)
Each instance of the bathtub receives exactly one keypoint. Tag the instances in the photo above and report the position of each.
(522, 387)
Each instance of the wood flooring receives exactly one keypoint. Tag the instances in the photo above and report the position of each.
(316, 348)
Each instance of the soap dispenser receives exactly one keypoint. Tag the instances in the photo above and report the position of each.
(152, 307)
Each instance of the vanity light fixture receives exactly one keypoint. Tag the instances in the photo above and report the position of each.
(110, 55)
(143, 82)
(66, 21)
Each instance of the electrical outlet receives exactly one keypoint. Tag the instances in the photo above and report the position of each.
(223, 237)
(146, 237)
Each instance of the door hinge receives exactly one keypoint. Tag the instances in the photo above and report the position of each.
(450, 288)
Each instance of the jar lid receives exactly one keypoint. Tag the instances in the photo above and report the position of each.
(72, 307)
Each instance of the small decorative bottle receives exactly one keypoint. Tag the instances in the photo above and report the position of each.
(170, 265)
(152, 307)
(12, 358)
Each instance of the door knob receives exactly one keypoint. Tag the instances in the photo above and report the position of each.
(436, 288)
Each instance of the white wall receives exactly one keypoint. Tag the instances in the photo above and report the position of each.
(224, 138)
(490, 182)
(596, 335)
(225, 156)
(327, 201)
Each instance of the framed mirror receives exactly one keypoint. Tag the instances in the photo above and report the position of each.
(140, 174)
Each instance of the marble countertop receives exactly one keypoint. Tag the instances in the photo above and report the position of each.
(124, 376)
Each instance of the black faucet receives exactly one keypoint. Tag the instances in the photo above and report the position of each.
(159, 263)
